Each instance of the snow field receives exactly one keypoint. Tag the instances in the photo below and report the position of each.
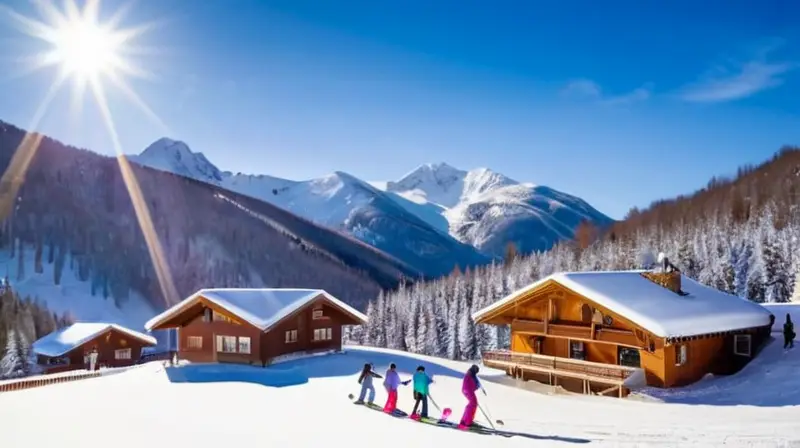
(303, 403)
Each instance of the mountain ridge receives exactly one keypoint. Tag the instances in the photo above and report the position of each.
(449, 216)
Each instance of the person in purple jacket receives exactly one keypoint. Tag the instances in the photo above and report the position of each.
(391, 383)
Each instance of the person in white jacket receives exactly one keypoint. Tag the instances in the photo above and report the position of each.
(93, 359)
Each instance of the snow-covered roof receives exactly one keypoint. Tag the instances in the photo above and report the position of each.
(68, 338)
(262, 308)
(653, 307)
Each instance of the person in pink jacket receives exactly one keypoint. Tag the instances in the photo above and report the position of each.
(469, 386)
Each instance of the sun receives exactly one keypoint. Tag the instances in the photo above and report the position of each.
(85, 49)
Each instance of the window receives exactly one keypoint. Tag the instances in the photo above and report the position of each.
(123, 353)
(742, 344)
(323, 334)
(194, 342)
(226, 344)
(219, 317)
(244, 345)
(629, 357)
(577, 350)
(291, 336)
(680, 355)
(207, 314)
(317, 314)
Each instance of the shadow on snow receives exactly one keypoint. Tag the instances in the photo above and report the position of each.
(299, 371)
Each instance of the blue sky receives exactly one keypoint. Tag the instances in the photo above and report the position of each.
(620, 104)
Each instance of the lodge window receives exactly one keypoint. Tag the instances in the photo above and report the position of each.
(194, 342)
(317, 314)
(323, 334)
(219, 317)
(577, 350)
(244, 345)
(226, 344)
(742, 344)
(123, 353)
(629, 357)
(680, 355)
(291, 336)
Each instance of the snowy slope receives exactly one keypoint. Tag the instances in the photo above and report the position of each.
(488, 210)
(245, 405)
(72, 295)
(338, 201)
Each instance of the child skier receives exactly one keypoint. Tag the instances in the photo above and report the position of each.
(469, 386)
(365, 380)
(421, 383)
(391, 383)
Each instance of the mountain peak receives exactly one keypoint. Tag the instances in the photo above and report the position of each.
(175, 156)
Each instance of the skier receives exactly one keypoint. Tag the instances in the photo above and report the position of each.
(421, 383)
(468, 387)
(365, 380)
(391, 383)
(788, 332)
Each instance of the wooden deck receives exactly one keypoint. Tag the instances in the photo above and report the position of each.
(612, 377)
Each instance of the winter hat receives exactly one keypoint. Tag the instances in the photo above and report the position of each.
(421, 369)
(474, 369)
(392, 366)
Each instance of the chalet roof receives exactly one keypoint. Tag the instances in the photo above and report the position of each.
(68, 338)
(262, 308)
(657, 309)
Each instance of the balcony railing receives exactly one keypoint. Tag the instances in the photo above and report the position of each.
(556, 365)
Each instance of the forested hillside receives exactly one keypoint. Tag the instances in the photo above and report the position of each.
(74, 207)
(23, 321)
(739, 235)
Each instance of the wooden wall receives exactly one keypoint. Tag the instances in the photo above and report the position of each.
(195, 326)
(274, 341)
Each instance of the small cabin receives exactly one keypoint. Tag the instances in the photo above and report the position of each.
(591, 331)
(66, 349)
(255, 326)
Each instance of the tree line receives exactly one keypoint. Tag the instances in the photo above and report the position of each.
(755, 259)
(22, 322)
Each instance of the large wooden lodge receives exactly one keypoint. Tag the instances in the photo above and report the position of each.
(255, 326)
(604, 332)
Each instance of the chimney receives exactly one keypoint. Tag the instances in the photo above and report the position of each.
(665, 275)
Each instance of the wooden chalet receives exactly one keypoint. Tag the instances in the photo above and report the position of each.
(67, 348)
(603, 332)
(254, 326)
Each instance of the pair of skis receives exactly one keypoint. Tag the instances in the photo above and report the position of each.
(441, 422)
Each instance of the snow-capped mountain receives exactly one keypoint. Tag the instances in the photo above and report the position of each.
(338, 201)
(489, 210)
(434, 218)
(176, 157)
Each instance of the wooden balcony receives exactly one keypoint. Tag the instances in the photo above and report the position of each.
(555, 367)
(573, 330)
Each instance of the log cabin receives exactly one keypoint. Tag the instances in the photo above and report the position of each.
(65, 349)
(255, 326)
(592, 332)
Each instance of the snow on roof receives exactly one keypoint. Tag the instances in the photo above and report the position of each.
(262, 308)
(655, 308)
(68, 338)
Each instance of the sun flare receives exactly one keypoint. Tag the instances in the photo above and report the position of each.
(85, 49)
(91, 53)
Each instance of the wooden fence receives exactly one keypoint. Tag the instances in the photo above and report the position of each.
(45, 380)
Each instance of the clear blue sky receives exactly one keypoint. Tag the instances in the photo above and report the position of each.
(620, 104)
